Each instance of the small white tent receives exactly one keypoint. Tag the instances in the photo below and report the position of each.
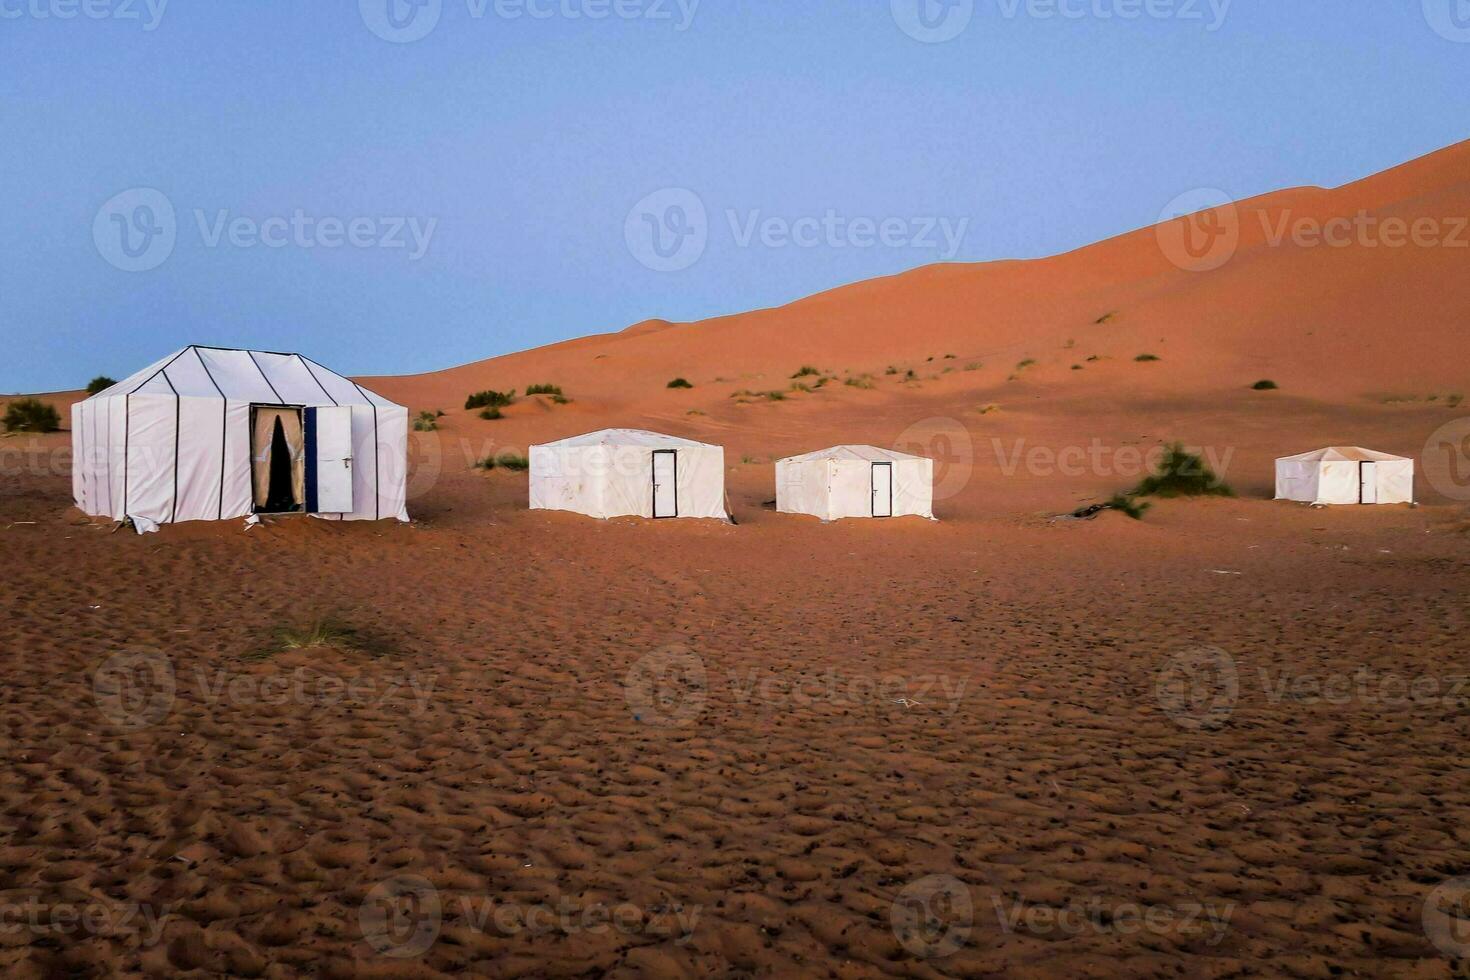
(1345, 475)
(211, 433)
(629, 473)
(855, 481)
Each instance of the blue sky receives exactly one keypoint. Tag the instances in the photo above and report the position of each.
(394, 203)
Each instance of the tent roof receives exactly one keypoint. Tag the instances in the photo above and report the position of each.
(871, 454)
(628, 437)
(1335, 454)
(264, 377)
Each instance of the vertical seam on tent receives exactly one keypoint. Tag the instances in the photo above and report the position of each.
(316, 379)
(251, 354)
(127, 437)
(224, 432)
(108, 457)
(178, 413)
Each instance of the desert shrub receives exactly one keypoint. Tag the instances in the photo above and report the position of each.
(1265, 384)
(989, 409)
(506, 460)
(1180, 473)
(911, 375)
(949, 357)
(774, 396)
(806, 371)
(543, 390)
(1104, 318)
(861, 381)
(678, 383)
(1453, 401)
(560, 399)
(491, 413)
(31, 415)
(1125, 504)
(1094, 357)
(1076, 367)
(491, 398)
(100, 383)
(891, 370)
(426, 422)
(973, 366)
(1145, 358)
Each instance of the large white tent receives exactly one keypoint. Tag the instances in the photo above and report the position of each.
(855, 481)
(211, 433)
(629, 473)
(1345, 475)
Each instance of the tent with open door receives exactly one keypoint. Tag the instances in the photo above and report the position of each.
(629, 473)
(1345, 475)
(855, 481)
(210, 433)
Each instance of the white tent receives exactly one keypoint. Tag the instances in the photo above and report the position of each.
(629, 472)
(1345, 475)
(855, 481)
(210, 433)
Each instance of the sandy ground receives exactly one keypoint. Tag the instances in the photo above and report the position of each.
(751, 748)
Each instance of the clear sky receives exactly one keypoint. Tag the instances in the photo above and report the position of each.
(393, 186)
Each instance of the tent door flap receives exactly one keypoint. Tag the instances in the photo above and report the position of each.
(329, 460)
(882, 489)
(665, 483)
(1368, 483)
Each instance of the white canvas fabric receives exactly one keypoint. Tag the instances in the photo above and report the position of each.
(1345, 475)
(610, 473)
(172, 442)
(841, 482)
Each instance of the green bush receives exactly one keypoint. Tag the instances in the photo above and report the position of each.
(1127, 505)
(1265, 384)
(1181, 474)
(1145, 358)
(31, 415)
(426, 422)
(861, 381)
(543, 390)
(806, 370)
(100, 383)
(679, 383)
(491, 414)
(505, 461)
(490, 397)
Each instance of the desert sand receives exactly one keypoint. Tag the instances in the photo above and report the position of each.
(849, 709)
